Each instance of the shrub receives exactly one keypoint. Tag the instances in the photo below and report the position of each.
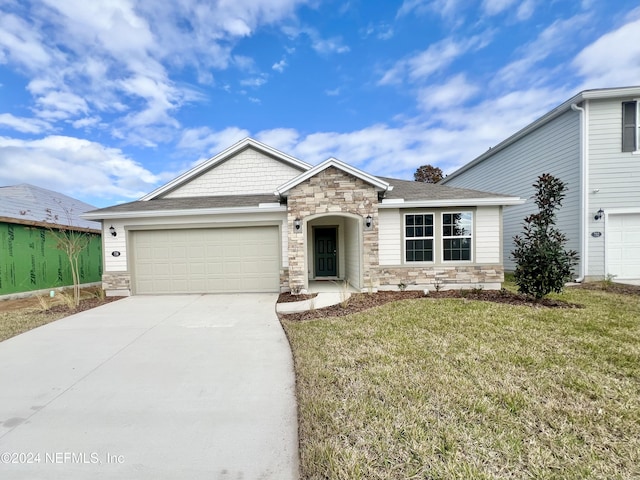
(543, 264)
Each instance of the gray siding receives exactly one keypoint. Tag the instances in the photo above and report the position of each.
(613, 173)
(553, 148)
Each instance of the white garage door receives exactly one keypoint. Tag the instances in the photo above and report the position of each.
(623, 245)
(206, 260)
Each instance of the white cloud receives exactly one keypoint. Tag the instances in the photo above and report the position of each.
(22, 124)
(554, 39)
(454, 92)
(323, 46)
(101, 55)
(434, 59)
(279, 66)
(206, 140)
(526, 10)
(74, 166)
(445, 8)
(494, 7)
(86, 122)
(283, 139)
(255, 82)
(613, 60)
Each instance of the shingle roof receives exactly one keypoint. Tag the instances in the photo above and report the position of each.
(30, 204)
(187, 203)
(402, 189)
(415, 191)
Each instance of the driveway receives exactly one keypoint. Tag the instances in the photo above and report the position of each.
(152, 387)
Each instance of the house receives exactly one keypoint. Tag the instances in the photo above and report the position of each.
(592, 143)
(29, 257)
(255, 219)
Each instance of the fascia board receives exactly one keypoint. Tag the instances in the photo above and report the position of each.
(458, 202)
(185, 212)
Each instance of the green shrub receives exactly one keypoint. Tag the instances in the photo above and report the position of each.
(543, 264)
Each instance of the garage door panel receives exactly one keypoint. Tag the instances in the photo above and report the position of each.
(206, 260)
(623, 245)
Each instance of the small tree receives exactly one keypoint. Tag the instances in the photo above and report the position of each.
(543, 265)
(428, 174)
(72, 242)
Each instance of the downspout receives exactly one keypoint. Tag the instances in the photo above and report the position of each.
(584, 198)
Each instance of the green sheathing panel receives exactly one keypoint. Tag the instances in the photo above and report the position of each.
(29, 260)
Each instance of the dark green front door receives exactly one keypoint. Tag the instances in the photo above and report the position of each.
(326, 252)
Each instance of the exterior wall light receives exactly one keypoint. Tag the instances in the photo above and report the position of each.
(297, 224)
(112, 229)
(599, 214)
(368, 221)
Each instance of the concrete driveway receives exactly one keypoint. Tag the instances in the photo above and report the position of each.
(162, 387)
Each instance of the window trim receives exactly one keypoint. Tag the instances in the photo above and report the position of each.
(636, 130)
(405, 238)
(443, 237)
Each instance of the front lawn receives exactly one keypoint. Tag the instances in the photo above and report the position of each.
(451, 388)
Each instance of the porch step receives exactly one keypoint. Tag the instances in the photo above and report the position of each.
(323, 299)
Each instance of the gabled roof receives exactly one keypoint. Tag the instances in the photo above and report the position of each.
(595, 94)
(379, 184)
(31, 205)
(409, 194)
(222, 157)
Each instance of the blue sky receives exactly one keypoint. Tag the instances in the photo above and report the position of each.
(104, 100)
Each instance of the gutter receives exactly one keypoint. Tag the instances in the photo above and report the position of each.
(584, 180)
(184, 212)
(457, 202)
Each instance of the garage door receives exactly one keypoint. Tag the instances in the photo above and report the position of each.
(211, 260)
(623, 245)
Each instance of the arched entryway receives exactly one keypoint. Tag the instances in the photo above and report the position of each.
(333, 249)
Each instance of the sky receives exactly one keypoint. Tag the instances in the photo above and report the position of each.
(105, 100)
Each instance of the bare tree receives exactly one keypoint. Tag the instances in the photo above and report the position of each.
(70, 240)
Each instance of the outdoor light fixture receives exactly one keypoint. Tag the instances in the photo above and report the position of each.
(368, 221)
(297, 224)
(112, 229)
(599, 214)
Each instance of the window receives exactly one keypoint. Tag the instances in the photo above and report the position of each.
(456, 236)
(419, 238)
(630, 127)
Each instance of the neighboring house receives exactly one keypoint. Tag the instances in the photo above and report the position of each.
(255, 219)
(29, 259)
(592, 143)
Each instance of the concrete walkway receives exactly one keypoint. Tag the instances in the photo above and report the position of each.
(193, 387)
(323, 299)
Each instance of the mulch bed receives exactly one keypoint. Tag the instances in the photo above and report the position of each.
(610, 287)
(364, 301)
(86, 304)
(289, 298)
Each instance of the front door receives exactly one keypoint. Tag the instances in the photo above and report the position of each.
(326, 252)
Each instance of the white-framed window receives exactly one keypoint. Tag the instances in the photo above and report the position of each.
(457, 228)
(418, 234)
(631, 126)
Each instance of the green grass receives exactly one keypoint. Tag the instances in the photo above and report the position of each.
(446, 389)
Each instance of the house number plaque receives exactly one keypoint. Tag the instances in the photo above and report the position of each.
(596, 234)
(116, 253)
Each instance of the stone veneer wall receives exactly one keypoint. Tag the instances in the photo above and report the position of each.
(284, 280)
(454, 276)
(117, 282)
(331, 191)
